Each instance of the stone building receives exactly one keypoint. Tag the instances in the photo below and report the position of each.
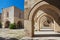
(12, 15)
(41, 14)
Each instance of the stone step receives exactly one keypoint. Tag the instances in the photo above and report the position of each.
(46, 30)
(41, 38)
(45, 27)
(46, 33)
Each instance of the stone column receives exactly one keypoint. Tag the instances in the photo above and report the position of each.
(38, 26)
(56, 27)
(3, 25)
(28, 28)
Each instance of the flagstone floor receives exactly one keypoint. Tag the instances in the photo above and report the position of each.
(20, 34)
(44, 32)
(11, 33)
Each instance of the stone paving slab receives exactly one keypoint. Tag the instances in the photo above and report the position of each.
(41, 38)
(46, 31)
(12, 33)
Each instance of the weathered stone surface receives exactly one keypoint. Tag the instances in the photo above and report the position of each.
(28, 28)
(12, 33)
(33, 15)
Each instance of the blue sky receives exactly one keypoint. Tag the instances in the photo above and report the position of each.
(7, 3)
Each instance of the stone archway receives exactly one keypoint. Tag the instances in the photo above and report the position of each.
(7, 23)
(38, 21)
(46, 22)
(46, 8)
(19, 25)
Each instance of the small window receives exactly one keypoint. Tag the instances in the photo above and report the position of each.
(19, 15)
(7, 14)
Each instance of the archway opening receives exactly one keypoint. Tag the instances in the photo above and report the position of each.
(46, 22)
(43, 23)
(19, 25)
(46, 8)
(7, 24)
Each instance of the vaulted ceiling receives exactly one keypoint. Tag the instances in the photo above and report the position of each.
(54, 2)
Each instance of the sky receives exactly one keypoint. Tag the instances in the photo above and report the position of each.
(7, 3)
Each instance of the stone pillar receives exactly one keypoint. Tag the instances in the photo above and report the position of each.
(38, 26)
(51, 25)
(28, 28)
(56, 27)
(3, 25)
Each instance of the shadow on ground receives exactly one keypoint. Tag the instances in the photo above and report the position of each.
(8, 39)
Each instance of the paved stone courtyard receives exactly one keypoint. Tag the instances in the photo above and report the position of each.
(11, 33)
(19, 34)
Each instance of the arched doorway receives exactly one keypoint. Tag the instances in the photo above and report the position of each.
(19, 25)
(46, 8)
(46, 22)
(7, 23)
(42, 21)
